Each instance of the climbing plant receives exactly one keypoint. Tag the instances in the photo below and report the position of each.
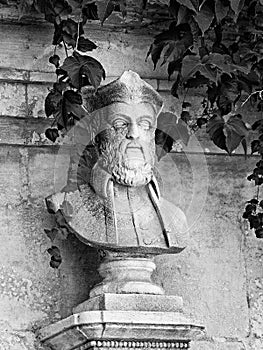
(213, 45)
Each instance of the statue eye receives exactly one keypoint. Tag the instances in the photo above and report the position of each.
(119, 124)
(145, 124)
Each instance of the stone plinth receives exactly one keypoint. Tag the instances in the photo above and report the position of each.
(121, 329)
(126, 310)
(132, 302)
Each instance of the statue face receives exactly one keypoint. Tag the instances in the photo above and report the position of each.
(127, 144)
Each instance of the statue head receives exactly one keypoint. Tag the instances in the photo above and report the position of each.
(126, 119)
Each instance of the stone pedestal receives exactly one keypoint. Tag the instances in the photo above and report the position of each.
(126, 311)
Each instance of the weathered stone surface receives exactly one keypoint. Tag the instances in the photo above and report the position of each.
(222, 344)
(136, 302)
(31, 47)
(212, 270)
(36, 98)
(13, 99)
(254, 257)
(71, 332)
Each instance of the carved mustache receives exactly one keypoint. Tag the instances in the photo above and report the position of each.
(131, 144)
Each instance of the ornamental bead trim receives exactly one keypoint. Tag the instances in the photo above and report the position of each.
(135, 345)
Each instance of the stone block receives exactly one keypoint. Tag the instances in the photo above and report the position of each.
(218, 345)
(47, 171)
(36, 99)
(13, 99)
(135, 302)
(43, 77)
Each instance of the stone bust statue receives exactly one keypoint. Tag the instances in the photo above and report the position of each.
(119, 207)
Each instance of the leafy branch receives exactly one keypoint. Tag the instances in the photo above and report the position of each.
(215, 46)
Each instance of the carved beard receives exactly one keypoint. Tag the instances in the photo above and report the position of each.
(129, 162)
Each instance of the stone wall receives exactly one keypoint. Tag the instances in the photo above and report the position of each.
(219, 275)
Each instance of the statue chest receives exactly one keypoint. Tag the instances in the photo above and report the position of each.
(126, 218)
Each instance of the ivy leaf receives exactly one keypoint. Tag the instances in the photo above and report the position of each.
(221, 10)
(54, 264)
(89, 11)
(227, 135)
(225, 64)
(54, 251)
(53, 8)
(155, 51)
(212, 93)
(204, 18)
(201, 121)
(174, 8)
(193, 64)
(84, 44)
(258, 125)
(52, 234)
(60, 87)
(105, 9)
(55, 257)
(79, 66)
(178, 39)
(73, 97)
(186, 105)
(174, 66)
(190, 65)
(235, 131)
(224, 104)
(52, 134)
(176, 129)
(54, 60)
(52, 102)
(191, 4)
(165, 143)
(255, 146)
(197, 81)
(185, 116)
(215, 129)
(72, 28)
(236, 6)
(230, 88)
(71, 108)
(175, 86)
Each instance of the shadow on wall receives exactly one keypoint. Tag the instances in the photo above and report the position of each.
(78, 273)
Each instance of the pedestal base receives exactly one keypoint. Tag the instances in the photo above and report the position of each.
(127, 310)
(121, 329)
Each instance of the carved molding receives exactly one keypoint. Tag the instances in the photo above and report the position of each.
(115, 344)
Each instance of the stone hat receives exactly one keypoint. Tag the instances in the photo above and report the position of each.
(128, 88)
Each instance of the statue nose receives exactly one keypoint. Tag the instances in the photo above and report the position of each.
(133, 132)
